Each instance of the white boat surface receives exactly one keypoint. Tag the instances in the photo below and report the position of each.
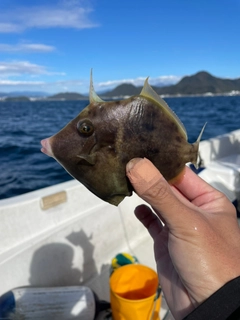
(63, 235)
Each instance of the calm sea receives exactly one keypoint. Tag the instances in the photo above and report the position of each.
(23, 124)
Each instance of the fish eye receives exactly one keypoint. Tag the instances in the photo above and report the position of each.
(85, 128)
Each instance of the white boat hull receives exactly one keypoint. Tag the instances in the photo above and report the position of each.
(64, 235)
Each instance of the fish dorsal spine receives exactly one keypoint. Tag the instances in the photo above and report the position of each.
(148, 92)
(93, 97)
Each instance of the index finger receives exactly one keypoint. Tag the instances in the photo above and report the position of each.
(191, 185)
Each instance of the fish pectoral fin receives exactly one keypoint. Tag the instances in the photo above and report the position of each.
(89, 159)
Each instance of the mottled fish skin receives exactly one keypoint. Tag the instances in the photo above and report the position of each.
(96, 146)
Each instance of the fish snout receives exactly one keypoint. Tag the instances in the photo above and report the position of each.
(46, 147)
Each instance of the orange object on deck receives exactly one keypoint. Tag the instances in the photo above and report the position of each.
(134, 293)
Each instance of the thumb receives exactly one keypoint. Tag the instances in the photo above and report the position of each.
(151, 186)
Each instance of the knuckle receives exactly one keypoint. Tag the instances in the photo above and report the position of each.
(159, 190)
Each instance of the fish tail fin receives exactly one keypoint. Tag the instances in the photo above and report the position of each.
(196, 145)
(200, 135)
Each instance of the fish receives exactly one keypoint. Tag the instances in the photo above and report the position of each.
(95, 146)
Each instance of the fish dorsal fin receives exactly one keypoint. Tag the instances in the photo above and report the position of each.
(148, 92)
(93, 97)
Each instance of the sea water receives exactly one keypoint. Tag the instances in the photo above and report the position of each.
(23, 125)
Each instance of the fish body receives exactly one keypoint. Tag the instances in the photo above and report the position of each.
(96, 146)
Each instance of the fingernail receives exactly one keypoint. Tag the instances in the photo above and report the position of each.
(132, 163)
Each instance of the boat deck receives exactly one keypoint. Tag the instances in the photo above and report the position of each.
(65, 236)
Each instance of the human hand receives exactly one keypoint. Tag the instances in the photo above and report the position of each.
(197, 251)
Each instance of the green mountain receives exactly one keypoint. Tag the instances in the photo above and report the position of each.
(199, 83)
(20, 98)
(123, 90)
(68, 96)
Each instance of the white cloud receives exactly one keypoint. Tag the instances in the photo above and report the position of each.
(50, 87)
(67, 14)
(158, 81)
(19, 68)
(110, 83)
(57, 84)
(26, 47)
(69, 83)
(20, 83)
(165, 80)
(10, 27)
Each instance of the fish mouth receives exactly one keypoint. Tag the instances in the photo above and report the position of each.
(46, 147)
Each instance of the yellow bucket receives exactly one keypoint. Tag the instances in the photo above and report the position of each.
(134, 293)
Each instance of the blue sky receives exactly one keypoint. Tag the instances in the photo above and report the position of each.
(51, 46)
